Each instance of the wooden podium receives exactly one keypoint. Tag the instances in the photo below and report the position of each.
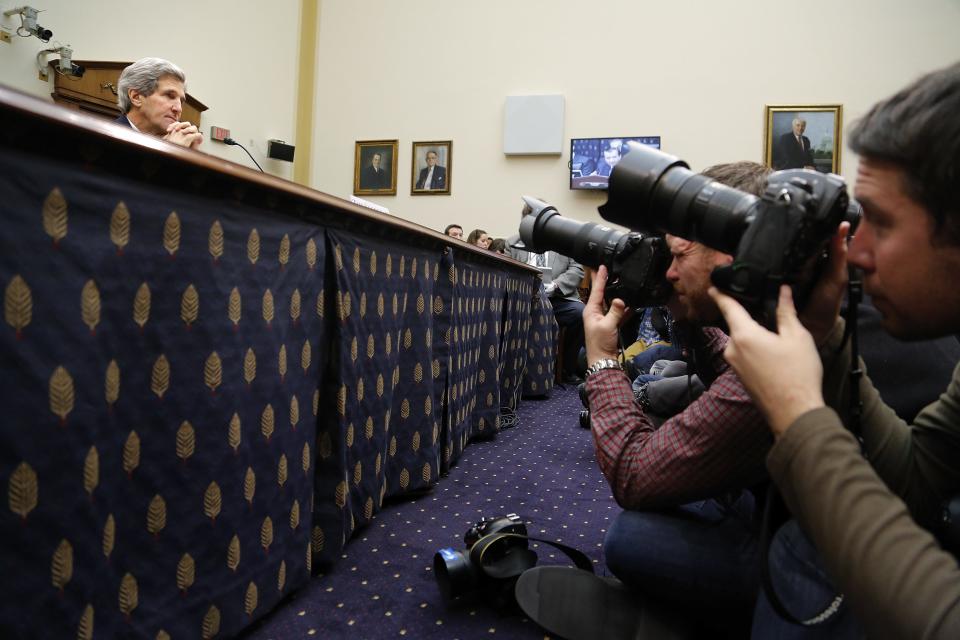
(96, 92)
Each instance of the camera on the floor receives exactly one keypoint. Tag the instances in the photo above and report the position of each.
(497, 553)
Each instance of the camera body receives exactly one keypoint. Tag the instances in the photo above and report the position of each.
(497, 553)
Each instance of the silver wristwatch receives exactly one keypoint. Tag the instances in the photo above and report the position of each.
(605, 363)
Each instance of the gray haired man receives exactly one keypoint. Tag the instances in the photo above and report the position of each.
(151, 92)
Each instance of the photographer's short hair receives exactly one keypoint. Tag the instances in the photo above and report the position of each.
(745, 176)
(143, 76)
(918, 130)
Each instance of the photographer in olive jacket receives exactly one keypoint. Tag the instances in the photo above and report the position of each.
(869, 513)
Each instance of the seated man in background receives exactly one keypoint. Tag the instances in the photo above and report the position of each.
(454, 231)
(561, 281)
(151, 93)
(868, 506)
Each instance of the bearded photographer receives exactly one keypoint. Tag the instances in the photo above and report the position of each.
(869, 513)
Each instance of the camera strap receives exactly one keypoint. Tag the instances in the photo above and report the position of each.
(774, 511)
(578, 557)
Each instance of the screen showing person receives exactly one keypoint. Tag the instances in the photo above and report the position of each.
(592, 159)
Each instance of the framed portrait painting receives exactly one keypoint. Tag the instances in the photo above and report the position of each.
(803, 136)
(375, 168)
(431, 168)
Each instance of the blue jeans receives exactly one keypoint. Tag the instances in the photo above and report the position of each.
(802, 586)
(704, 552)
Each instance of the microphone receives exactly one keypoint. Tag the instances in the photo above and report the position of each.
(233, 142)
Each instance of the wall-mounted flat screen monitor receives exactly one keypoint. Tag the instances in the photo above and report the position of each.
(592, 159)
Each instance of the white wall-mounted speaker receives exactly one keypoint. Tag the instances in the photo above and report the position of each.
(533, 125)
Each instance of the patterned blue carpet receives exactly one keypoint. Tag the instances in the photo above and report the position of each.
(543, 469)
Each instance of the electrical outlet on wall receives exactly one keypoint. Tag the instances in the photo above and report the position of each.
(4, 36)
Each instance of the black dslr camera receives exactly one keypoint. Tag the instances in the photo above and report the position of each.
(497, 553)
(775, 239)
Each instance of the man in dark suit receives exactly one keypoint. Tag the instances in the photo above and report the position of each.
(793, 150)
(374, 176)
(150, 93)
(433, 176)
(611, 156)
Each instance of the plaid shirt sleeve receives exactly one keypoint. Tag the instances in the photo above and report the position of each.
(719, 442)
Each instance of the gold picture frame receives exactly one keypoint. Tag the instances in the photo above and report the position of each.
(375, 167)
(440, 178)
(818, 144)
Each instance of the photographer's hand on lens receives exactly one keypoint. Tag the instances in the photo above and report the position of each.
(781, 371)
(820, 313)
(600, 328)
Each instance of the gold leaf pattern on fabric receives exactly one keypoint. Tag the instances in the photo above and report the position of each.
(311, 254)
(211, 623)
(234, 308)
(371, 346)
(156, 515)
(338, 257)
(305, 356)
(317, 540)
(131, 453)
(234, 434)
(407, 339)
(284, 256)
(345, 305)
(249, 485)
(404, 478)
(295, 515)
(85, 626)
(427, 406)
(23, 491)
(340, 494)
(377, 464)
(162, 635)
(348, 436)
(109, 538)
(405, 409)
(392, 450)
(233, 553)
(141, 306)
(356, 260)
(294, 412)
(368, 509)
(186, 572)
(360, 390)
(420, 304)
(61, 567)
(395, 305)
(249, 367)
(215, 240)
(91, 471)
(489, 399)
(282, 361)
(305, 457)
(90, 305)
(61, 394)
(403, 265)
(437, 305)
(357, 473)
(267, 306)
(129, 594)
(282, 574)
(120, 227)
(189, 305)
(266, 422)
(266, 534)
(368, 428)
(253, 247)
(320, 304)
(418, 373)
(326, 446)
(388, 344)
(380, 305)
(415, 444)
(186, 441)
(380, 385)
(55, 216)
(295, 306)
(426, 474)
(111, 383)
(373, 263)
(160, 376)
(388, 267)
(282, 470)
(396, 375)
(171, 233)
(213, 372)
(18, 305)
(362, 307)
(413, 269)
(353, 349)
(250, 599)
(212, 501)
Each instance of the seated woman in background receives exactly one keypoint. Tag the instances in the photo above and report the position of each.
(479, 238)
(498, 245)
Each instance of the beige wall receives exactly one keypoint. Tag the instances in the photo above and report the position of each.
(240, 57)
(697, 73)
